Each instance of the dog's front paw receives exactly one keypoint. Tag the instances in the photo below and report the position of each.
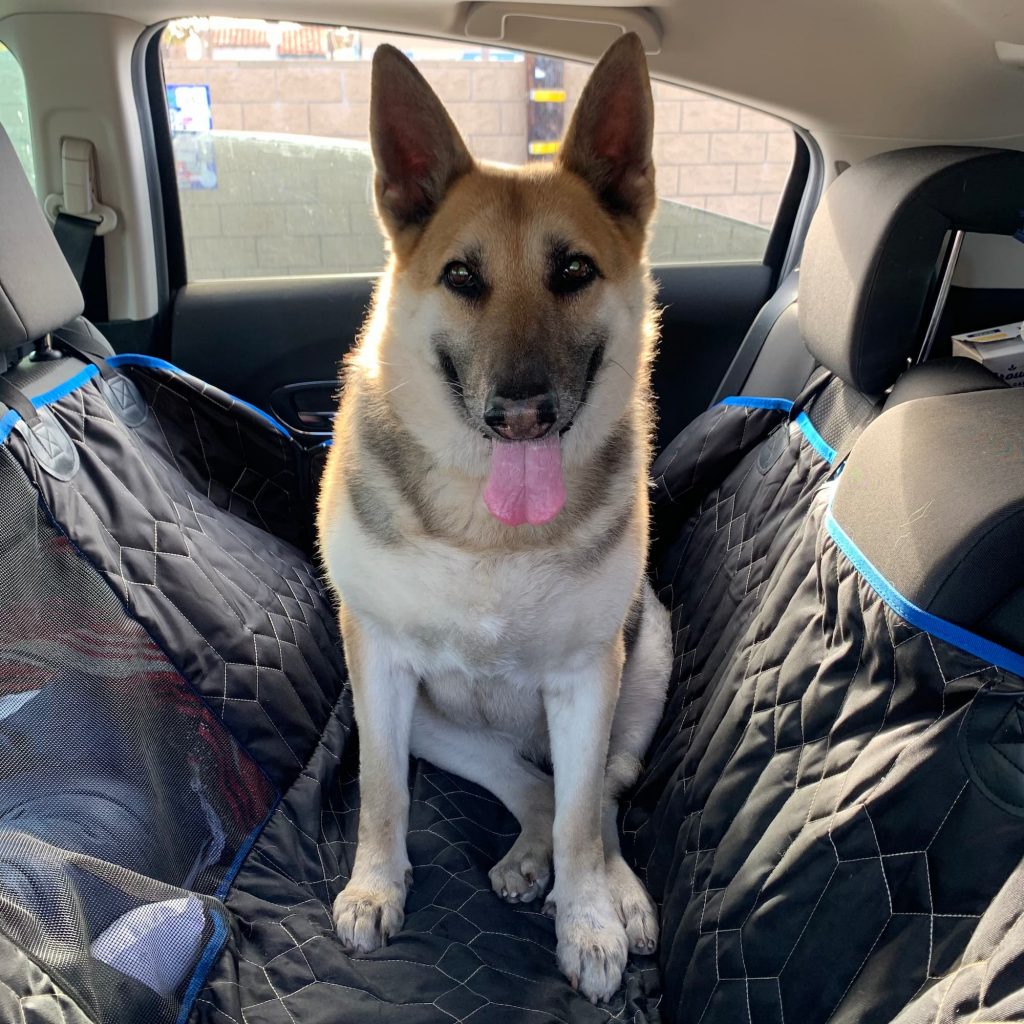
(635, 907)
(366, 916)
(592, 945)
(524, 872)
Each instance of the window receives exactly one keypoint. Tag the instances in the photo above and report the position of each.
(269, 126)
(14, 110)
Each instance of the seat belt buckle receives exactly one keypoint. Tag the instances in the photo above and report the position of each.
(78, 173)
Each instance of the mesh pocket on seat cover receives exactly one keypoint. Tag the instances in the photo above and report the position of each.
(125, 806)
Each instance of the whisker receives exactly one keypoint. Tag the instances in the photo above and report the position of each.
(623, 369)
(395, 388)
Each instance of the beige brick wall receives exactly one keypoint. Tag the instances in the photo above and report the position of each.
(273, 213)
(713, 154)
(486, 101)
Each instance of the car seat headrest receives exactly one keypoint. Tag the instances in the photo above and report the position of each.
(932, 496)
(38, 292)
(871, 253)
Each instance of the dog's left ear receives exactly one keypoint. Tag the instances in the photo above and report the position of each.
(609, 140)
(417, 150)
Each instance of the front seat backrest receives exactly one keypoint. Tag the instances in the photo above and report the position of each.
(932, 499)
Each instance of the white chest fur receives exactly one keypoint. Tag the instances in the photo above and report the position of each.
(482, 631)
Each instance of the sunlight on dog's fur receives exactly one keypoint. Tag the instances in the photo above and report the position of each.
(484, 512)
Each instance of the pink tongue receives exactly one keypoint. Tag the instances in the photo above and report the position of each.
(525, 485)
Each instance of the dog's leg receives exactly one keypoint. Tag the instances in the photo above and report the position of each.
(370, 909)
(490, 760)
(592, 944)
(632, 902)
(639, 709)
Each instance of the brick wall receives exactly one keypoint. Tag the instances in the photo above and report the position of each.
(332, 99)
(712, 154)
(306, 209)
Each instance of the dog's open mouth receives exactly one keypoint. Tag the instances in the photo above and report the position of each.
(526, 484)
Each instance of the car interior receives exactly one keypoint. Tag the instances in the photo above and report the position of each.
(830, 817)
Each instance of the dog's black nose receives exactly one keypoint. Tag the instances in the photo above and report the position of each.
(521, 413)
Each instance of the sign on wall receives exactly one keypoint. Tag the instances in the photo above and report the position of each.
(191, 117)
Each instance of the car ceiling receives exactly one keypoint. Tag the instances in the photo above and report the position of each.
(903, 70)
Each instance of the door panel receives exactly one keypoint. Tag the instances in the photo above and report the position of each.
(258, 339)
(707, 312)
(255, 338)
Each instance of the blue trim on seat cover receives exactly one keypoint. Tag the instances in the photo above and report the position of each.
(206, 961)
(753, 402)
(803, 421)
(245, 848)
(816, 441)
(949, 632)
(155, 363)
(47, 398)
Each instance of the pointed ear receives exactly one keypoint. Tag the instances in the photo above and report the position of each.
(417, 150)
(609, 140)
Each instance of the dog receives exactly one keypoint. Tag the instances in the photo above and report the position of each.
(483, 515)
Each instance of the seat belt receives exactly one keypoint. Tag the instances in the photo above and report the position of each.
(75, 236)
(750, 348)
(79, 218)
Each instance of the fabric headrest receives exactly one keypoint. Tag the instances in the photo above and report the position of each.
(932, 496)
(870, 257)
(38, 292)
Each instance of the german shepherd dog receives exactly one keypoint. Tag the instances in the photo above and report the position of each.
(484, 510)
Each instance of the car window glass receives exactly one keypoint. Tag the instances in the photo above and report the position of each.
(269, 125)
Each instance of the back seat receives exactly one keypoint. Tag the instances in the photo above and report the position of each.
(178, 793)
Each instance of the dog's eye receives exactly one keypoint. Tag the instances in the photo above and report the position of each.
(572, 273)
(578, 268)
(458, 275)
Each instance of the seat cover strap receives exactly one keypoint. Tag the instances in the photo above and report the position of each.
(17, 400)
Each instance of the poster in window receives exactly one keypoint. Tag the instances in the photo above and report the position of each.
(191, 117)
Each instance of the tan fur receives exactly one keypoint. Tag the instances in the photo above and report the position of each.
(471, 642)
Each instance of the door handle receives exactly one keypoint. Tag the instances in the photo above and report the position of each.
(316, 419)
(309, 407)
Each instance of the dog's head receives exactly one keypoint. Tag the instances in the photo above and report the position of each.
(512, 327)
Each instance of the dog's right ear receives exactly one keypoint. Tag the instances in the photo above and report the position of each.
(417, 150)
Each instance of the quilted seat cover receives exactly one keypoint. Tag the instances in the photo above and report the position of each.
(821, 816)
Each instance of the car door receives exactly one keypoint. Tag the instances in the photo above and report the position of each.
(260, 134)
